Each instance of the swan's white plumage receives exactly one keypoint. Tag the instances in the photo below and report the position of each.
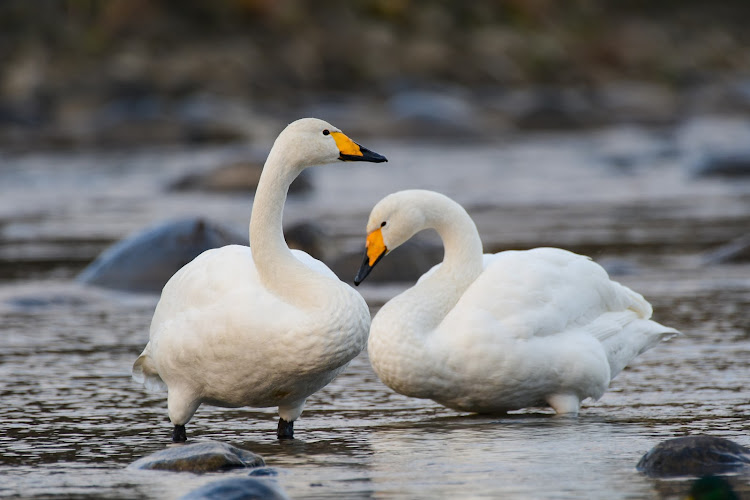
(262, 327)
(498, 332)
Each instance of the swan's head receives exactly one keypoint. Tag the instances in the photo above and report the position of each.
(310, 141)
(394, 220)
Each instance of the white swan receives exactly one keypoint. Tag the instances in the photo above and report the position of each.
(267, 327)
(498, 332)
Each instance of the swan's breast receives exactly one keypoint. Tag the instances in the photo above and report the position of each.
(218, 327)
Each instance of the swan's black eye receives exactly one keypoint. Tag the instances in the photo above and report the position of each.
(382, 224)
(326, 132)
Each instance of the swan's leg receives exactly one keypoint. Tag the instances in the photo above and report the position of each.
(564, 404)
(289, 412)
(285, 429)
(181, 405)
(178, 434)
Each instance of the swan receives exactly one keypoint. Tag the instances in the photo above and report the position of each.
(497, 332)
(259, 327)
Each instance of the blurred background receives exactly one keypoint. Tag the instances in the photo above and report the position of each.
(90, 73)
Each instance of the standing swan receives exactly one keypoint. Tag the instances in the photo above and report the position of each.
(498, 332)
(267, 327)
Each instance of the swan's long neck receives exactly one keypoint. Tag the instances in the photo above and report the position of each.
(279, 271)
(427, 302)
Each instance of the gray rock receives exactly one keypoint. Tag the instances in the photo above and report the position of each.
(722, 164)
(308, 237)
(694, 456)
(737, 250)
(405, 264)
(145, 261)
(208, 456)
(245, 488)
(544, 108)
(235, 177)
(263, 472)
(425, 112)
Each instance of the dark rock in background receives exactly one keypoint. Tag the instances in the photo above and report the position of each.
(133, 72)
(145, 261)
(308, 237)
(236, 177)
(735, 251)
(694, 456)
(404, 264)
(209, 456)
(729, 165)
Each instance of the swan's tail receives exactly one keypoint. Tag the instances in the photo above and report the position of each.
(635, 338)
(144, 372)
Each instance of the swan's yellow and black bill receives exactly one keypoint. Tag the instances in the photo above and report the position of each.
(351, 151)
(374, 251)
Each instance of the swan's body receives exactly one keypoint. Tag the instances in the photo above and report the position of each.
(498, 332)
(262, 327)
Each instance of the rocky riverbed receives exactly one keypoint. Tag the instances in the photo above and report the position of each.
(630, 197)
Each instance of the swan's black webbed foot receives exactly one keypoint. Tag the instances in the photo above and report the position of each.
(178, 434)
(285, 430)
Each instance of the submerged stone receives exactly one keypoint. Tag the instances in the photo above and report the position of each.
(208, 456)
(241, 488)
(694, 456)
(145, 261)
(712, 488)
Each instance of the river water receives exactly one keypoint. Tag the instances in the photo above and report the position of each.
(71, 419)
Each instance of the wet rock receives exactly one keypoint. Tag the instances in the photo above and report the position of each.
(235, 177)
(632, 101)
(209, 456)
(737, 250)
(730, 164)
(306, 236)
(145, 261)
(423, 112)
(263, 472)
(618, 267)
(246, 488)
(545, 108)
(405, 264)
(694, 456)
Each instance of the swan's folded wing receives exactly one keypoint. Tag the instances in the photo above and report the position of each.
(546, 291)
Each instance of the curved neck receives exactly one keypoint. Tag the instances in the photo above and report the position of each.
(279, 271)
(463, 261)
(434, 296)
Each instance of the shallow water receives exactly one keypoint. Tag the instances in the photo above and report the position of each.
(71, 419)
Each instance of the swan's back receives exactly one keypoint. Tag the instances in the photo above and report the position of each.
(547, 290)
(550, 292)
